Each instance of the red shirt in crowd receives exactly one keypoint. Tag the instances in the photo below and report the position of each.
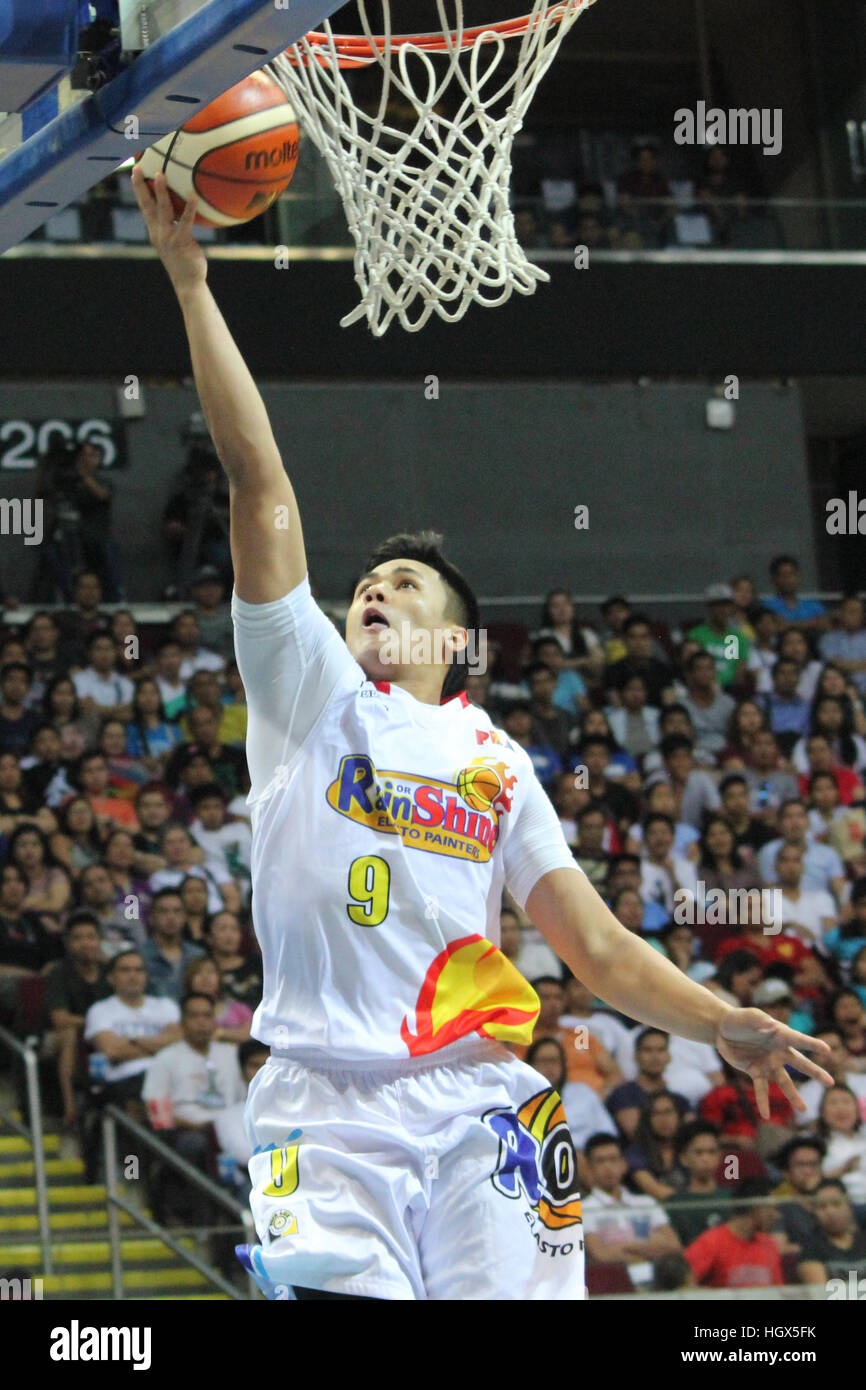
(783, 949)
(722, 1260)
(736, 1111)
(846, 780)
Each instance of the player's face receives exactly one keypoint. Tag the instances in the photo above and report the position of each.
(398, 620)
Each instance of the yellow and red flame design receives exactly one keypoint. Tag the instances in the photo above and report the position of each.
(471, 987)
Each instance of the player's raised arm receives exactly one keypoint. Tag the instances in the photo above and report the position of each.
(268, 561)
(640, 982)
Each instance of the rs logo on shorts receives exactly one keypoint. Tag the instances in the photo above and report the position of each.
(536, 1160)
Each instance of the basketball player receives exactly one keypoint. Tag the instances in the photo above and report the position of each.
(402, 1151)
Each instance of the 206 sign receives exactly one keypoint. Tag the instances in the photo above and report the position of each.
(22, 442)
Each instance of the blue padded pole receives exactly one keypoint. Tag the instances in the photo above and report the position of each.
(181, 72)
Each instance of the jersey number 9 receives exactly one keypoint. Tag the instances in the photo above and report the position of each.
(369, 885)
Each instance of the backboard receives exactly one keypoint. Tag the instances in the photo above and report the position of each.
(163, 60)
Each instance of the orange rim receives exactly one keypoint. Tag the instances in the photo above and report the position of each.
(356, 50)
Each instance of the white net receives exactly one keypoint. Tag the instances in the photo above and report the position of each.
(424, 168)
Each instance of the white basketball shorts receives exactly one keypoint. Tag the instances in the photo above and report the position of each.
(421, 1180)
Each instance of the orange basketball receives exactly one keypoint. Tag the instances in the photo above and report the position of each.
(479, 787)
(237, 154)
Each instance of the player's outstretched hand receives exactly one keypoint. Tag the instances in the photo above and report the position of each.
(762, 1046)
(172, 236)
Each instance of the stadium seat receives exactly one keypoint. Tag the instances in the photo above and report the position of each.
(604, 1278)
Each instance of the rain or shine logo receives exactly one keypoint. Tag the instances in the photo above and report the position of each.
(536, 1160)
(458, 818)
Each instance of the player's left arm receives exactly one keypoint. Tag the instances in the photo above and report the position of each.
(640, 982)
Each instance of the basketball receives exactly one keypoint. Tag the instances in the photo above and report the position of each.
(237, 154)
(478, 786)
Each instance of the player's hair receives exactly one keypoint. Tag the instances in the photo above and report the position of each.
(425, 547)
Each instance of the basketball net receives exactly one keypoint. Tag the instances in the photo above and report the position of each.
(427, 202)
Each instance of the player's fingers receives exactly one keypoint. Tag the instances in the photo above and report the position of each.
(163, 201)
(808, 1067)
(787, 1085)
(791, 1038)
(143, 194)
(762, 1096)
(187, 217)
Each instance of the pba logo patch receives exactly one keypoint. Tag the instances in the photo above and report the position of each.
(282, 1223)
(536, 1159)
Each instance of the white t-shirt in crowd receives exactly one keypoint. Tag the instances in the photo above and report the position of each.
(103, 690)
(688, 1072)
(231, 1132)
(203, 659)
(228, 848)
(810, 910)
(112, 1015)
(656, 885)
(536, 958)
(169, 692)
(840, 1148)
(628, 1217)
(197, 1084)
(585, 1112)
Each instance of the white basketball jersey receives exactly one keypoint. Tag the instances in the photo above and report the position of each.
(383, 831)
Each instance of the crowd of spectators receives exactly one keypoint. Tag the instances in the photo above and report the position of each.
(642, 209)
(711, 783)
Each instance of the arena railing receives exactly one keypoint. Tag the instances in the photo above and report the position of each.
(26, 1053)
(312, 227)
(242, 1223)
(154, 612)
